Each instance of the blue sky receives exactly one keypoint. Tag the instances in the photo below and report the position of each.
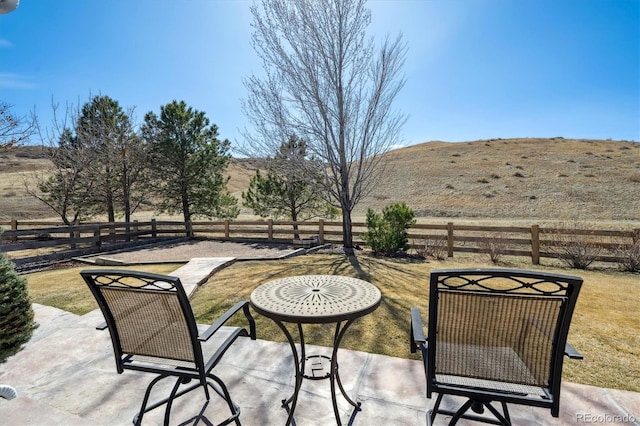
(475, 69)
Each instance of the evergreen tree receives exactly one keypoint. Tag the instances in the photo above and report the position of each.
(16, 315)
(189, 163)
(288, 190)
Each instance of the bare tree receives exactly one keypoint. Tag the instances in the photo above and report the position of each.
(120, 155)
(326, 82)
(98, 162)
(14, 130)
(68, 188)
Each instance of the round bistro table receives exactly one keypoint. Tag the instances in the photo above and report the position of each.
(316, 299)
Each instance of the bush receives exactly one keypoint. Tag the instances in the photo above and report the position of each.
(16, 315)
(495, 246)
(435, 247)
(577, 250)
(387, 233)
(629, 256)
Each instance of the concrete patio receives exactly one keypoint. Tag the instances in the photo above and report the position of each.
(66, 376)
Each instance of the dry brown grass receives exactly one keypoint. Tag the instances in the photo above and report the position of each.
(605, 327)
(556, 179)
(64, 288)
(513, 179)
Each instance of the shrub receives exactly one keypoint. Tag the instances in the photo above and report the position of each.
(577, 250)
(495, 246)
(387, 233)
(435, 247)
(16, 315)
(629, 256)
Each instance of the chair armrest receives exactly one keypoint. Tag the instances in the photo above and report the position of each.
(102, 326)
(417, 333)
(571, 352)
(226, 316)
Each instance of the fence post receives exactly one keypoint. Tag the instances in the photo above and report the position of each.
(450, 239)
(226, 228)
(96, 236)
(270, 229)
(14, 227)
(72, 236)
(636, 236)
(154, 229)
(189, 227)
(321, 231)
(535, 244)
(135, 230)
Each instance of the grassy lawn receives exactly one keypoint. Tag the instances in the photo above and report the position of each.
(605, 327)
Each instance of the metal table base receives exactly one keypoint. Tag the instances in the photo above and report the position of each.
(300, 358)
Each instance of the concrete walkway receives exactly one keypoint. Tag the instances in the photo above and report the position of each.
(66, 376)
(198, 270)
(192, 274)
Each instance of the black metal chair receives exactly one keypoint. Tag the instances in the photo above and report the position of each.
(495, 335)
(153, 330)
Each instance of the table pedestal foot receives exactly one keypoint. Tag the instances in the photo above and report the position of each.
(317, 363)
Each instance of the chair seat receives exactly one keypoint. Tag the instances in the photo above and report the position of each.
(491, 385)
(209, 349)
(490, 363)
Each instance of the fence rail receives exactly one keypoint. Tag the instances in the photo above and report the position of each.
(535, 242)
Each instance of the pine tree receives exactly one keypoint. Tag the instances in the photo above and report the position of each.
(16, 315)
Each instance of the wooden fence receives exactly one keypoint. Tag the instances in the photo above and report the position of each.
(535, 242)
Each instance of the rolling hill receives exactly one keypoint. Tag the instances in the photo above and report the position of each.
(541, 179)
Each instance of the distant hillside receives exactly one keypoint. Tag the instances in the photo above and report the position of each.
(515, 178)
(501, 178)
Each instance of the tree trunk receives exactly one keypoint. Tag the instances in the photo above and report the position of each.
(111, 213)
(187, 214)
(127, 215)
(294, 218)
(347, 231)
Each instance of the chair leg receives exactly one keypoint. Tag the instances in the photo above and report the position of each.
(458, 415)
(475, 405)
(167, 410)
(503, 418)
(137, 420)
(224, 393)
(431, 414)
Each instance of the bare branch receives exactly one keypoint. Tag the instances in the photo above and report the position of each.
(15, 130)
(326, 82)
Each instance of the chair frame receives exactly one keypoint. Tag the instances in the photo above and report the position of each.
(201, 369)
(472, 280)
